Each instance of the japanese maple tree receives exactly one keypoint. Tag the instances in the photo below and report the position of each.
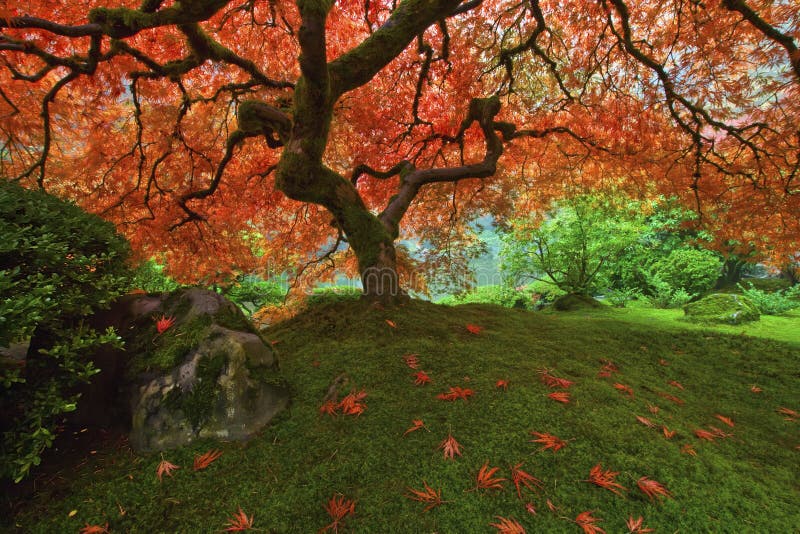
(222, 134)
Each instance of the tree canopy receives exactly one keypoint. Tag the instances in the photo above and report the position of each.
(221, 135)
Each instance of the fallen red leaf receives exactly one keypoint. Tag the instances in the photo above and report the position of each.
(391, 323)
(239, 522)
(416, 425)
(549, 441)
(688, 449)
(671, 398)
(338, 508)
(421, 378)
(755, 389)
(486, 479)
(635, 526)
(164, 323)
(552, 381)
(645, 421)
(204, 460)
(451, 447)
(165, 468)
(456, 392)
(507, 526)
(624, 389)
(411, 360)
(329, 407)
(522, 479)
(474, 329)
(652, 489)
(560, 396)
(501, 384)
(676, 384)
(653, 409)
(669, 434)
(727, 420)
(94, 529)
(704, 434)
(530, 508)
(351, 404)
(791, 415)
(608, 369)
(587, 522)
(551, 506)
(605, 479)
(428, 495)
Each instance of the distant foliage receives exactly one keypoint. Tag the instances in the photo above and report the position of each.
(57, 265)
(149, 277)
(509, 297)
(692, 270)
(574, 244)
(774, 302)
(252, 293)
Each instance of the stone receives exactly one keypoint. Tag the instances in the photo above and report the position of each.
(725, 308)
(210, 375)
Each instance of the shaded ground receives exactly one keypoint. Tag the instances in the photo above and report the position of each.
(744, 482)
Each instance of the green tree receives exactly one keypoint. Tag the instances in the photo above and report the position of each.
(574, 245)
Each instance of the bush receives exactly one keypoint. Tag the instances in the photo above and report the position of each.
(663, 295)
(57, 265)
(693, 270)
(620, 297)
(772, 303)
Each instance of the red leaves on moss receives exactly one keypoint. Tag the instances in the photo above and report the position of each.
(204, 460)
(652, 488)
(605, 479)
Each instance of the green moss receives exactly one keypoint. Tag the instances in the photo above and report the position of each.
(574, 302)
(722, 308)
(197, 404)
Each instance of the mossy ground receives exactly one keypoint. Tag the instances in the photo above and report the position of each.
(744, 483)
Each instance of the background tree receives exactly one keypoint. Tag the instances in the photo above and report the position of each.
(222, 134)
(575, 245)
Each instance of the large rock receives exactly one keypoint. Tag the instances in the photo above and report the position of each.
(208, 375)
(727, 308)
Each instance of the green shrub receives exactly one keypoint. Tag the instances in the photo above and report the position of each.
(57, 265)
(767, 284)
(332, 294)
(664, 295)
(772, 303)
(620, 297)
(693, 270)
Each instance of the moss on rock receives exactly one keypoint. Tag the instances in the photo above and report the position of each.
(721, 308)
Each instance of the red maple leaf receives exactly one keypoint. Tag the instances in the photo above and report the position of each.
(164, 323)
(474, 329)
(548, 440)
(338, 507)
(428, 495)
(652, 489)
(501, 384)
(165, 468)
(411, 360)
(587, 522)
(421, 378)
(239, 522)
(507, 526)
(605, 479)
(204, 460)
(451, 447)
(560, 396)
(522, 479)
(553, 381)
(416, 424)
(486, 479)
(635, 526)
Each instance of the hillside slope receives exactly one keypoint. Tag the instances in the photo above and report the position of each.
(746, 481)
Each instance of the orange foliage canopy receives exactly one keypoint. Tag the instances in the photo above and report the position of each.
(237, 135)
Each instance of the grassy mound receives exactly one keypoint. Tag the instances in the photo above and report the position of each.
(745, 481)
(722, 308)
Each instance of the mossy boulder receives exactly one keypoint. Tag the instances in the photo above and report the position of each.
(724, 308)
(575, 302)
(209, 374)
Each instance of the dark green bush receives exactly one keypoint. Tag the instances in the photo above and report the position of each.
(57, 265)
